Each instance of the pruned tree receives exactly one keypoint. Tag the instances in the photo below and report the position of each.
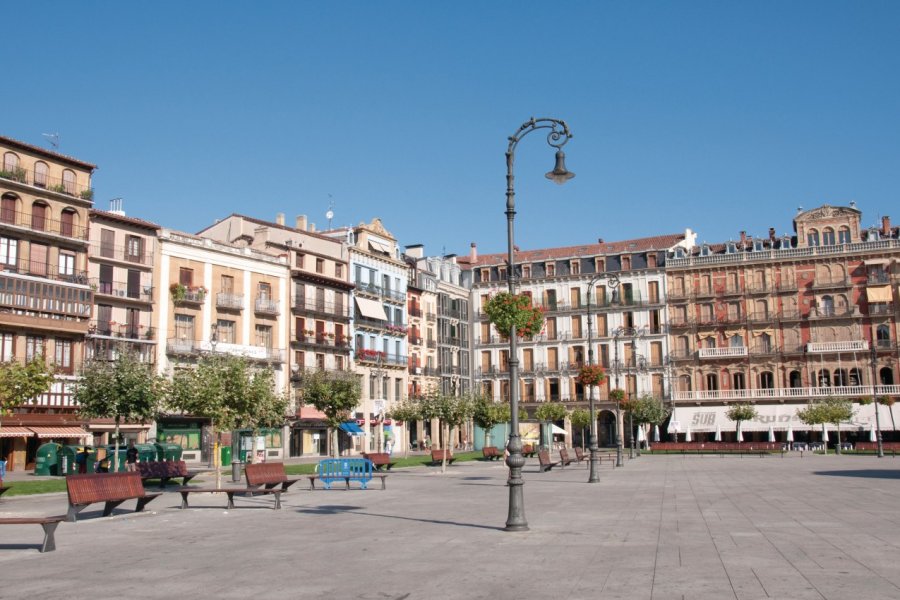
(486, 413)
(265, 408)
(581, 419)
(648, 410)
(815, 414)
(335, 393)
(124, 389)
(741, 412)
(406, 411)
(548, 412)
(837, 410)
(21, 382)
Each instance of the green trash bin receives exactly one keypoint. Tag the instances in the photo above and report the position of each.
(47, 460)
(73, 460)
(110, 452)
(171, 451)
(146, 452)
(225, 454)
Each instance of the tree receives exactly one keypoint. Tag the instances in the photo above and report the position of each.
(837, 410)
(335, 394)
(124, 389)
(19, 382)
(814, 414)
(265, 407)
(486, 413)
(648, 410)
(222, 388)
(580, 418)
(741, 412)
(548, 412)
(451, 411)
(406, 411)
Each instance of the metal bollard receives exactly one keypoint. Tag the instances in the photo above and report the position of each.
(235, 471)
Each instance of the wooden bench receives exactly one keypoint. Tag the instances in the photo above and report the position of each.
(580, 455)
(166, 470)
(564, 458)
(437, 457)
(491, 453)
(111, 488)
(3, 488)
(544, 459)
(48, 523)
(333, 470)
(268, 475)
(528, 451)
(231, 492)
(379, 460)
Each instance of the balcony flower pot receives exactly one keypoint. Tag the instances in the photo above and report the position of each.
(591, 375)
(505, 311)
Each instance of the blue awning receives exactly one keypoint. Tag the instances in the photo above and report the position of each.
(352, 428)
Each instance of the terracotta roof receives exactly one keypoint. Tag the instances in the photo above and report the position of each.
(122, 218)
(47, 153)
(659, 242)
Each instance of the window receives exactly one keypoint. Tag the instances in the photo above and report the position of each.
(550, 268)
(134, 248)
(34, 347)
(7, 344)
(40, 174)
(712, 382)
(69, 182)
(38, 216)
(67, 222)
(186, 277)
(339, 363)
(264, 336)
(265, 291)
(225, 331)
(298, 260)
(737, 380)
(226, 284)
(320, 362)
(38, 261)
(501, 273)
(812, 238)
(63, 355)
(10, 162)
(9, 249)
(184, 328)
(626, 263)
(526, 271)
(339, 270)
(8, 209)
(828, 237)
(844, 235)
(485, 274)
(766, 380)
(320, 265)
(575, 267)
(66, 264)
(107, 243)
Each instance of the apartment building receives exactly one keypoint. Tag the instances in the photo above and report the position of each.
(627, 284)
(319, 324)
(45, 299)
(379, 328)
(120, 273)
(782, 320)
(218, 297)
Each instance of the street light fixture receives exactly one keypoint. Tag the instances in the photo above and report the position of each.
(874, 356)
(557, 137)
(594, 476)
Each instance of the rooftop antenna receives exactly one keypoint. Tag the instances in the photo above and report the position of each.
(329, 214)
(53, 139)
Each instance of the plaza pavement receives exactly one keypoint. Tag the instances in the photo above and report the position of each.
(662, 527)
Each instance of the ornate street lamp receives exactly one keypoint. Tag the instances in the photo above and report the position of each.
(557, 137)
(874, 356)
(594, 476)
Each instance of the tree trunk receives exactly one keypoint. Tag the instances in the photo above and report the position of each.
(255, 446)
(893, 424)
(216, 459)
(116, 446)
(837, 448)
(445, 429)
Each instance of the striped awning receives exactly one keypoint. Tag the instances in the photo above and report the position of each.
(15, 432)
(60, 432)
(881, 293)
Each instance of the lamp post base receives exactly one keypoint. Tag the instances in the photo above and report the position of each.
(515, 520)
(619, 462)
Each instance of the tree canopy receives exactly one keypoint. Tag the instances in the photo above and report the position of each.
(20, 382)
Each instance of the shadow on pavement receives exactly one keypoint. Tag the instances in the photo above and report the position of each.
(867, 473)
(354, 510)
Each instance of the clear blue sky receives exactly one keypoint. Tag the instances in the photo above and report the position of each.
(718, 116)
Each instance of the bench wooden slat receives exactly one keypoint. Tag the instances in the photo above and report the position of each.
(267, 475)
(110, 488)
(380, 459)
(545, 463)
(437, 457)
(49, 525)
(232, 492)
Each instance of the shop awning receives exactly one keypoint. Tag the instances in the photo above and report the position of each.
(15, 432)
(371, 309)
(60, 432)
(557, 430)
(780, 417)
(352, 428)
(879, 293)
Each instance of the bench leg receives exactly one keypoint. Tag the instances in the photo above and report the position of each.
(187, 478)
(72, 513)
(277, 499)
(184, 502)
(384, 483)
(107, 510)
(49, 541)
(230, 501)
(363, 484)
(162, 482)
(142, 502)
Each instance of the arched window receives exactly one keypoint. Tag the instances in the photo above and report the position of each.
(684, 383)
(766, 380)
(855, 377)
(827, 308)
(840, 378)
(736, 341)
(41, 171)
(67, 222)
(39, 216)
(824, 378)
(737, 381)
(69, 182)
(886, 375)
(844, 235)
(10, 162)
(712, 382)
(828, 237)
(812, 238)
(883, 335)
(8, 206)
(765, 343)
(795, 380)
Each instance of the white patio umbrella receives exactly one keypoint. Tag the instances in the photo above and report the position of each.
(640, 434)
(771, 433)
(656, 433)
(872, 437)
(824, 433)
(687, 435)
(740, 434)
(718, 437)
(790, 433)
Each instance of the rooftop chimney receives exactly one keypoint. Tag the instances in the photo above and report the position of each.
(743, 238)
(116, 207)
(312, 227)
(279, 218)
(772, 233)
(301, 222)
(886, 226)
(473, 252)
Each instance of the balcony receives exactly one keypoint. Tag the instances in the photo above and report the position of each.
(26, 296)
(45, 182)
(45, 271)
(327, 310)
(375, 357)
(755, 289)
(25, 221)
(265, 306)
(414, 312)
(370, 324)
(786, 285)
(878, 278)
(229, 301)
(763, 349)
(182, 347)
(182, 294)
(121, 290)
(761, 317)
(798, 394)
(834, 312)
(119, 253)
(376, 291)
(730, 352)
(881, 309)
(323, 341)
(679, 294)
(830, 347)
(130, 331)
(831, 283)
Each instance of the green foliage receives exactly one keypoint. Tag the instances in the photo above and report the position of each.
(741, 412)
(486, 413)
(334, 393)
(405, 411)
(617, 395)
(813, 414)
(123, 389)
(833, 409)
(580, 418)
(647, 409)
(505, 310)
(550, 411)
(19, 382)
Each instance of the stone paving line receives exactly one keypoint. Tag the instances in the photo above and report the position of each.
(662, 527)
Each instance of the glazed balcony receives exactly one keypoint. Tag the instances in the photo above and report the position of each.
(24, 297)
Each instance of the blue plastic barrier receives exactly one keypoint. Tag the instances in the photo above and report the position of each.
(345, 469)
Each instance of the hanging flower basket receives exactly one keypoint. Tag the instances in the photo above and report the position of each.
(591, 375)
(506, 310)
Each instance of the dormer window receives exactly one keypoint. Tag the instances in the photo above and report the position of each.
(626, 263)
(551, 269)
(758, 246)
(575, 267)
(704, 250)
(485, 275)
(526, 271)
(874, 235)
(786, 242)
(599, 265)
(679, 252)
(730, 248)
